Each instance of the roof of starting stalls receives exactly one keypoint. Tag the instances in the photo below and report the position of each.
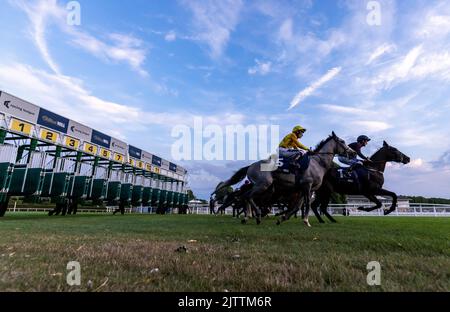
(74, 135)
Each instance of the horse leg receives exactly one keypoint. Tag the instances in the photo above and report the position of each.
(307, 196)
(315, 204)
(394, 200)
(324, 210)
(292, 209)
(247, 212)
(373, 199)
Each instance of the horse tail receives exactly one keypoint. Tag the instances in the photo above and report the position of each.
(236, 178)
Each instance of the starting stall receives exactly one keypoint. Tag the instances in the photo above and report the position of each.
(45, 155)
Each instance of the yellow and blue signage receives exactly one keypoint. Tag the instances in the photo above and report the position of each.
(52, 121)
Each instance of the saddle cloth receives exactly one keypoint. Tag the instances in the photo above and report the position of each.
(292, 160)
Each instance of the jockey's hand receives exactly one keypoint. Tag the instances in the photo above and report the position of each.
(367, 162)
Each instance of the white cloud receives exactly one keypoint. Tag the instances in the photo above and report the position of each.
(214, 22)
(381, 50)
(314, 86)
(124, 48)
(345, 109)
(39, 14)
(372, 126)
(262, 68)
(398, 71)
(170, 36)
(434, 26)
(286, 32)
(67, 96)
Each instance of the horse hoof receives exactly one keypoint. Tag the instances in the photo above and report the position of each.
(278, 222)
(258, 222)
(307, 223)
(244, 221)
(386, 212)
(361, 209)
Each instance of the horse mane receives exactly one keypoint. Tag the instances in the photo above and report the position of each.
(322, 143)
(378, 151)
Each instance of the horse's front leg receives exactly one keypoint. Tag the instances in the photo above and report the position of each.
(307, 196)
(373, 199)
(315, 204)
(394, 200)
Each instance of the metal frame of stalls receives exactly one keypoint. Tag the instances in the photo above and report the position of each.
(8, 156)
(58, 173)
(170, 194)
(156, 193)
(99, 182)
(162, 195)
(79, 185)
(25, 173)
(147, 190)
(126, 189)
(138, 188)
(114, 185)
(178, 194)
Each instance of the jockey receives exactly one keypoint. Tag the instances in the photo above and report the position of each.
(291, 141)
(356, 146)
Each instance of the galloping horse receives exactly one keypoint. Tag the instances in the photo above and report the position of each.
(369, 182)
(310, 179)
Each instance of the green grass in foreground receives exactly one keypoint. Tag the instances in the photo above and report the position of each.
(118, 253)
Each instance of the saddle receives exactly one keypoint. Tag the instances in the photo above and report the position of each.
(292, 161)
(353, 175)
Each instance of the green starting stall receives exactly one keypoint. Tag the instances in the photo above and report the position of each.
(45, 155)
(8, 155)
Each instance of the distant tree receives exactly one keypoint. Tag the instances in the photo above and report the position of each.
(424, 200)
(191, 195)
(220, 195)
(339, 199)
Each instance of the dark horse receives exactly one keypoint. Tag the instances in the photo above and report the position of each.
(369, 182)
(263, 175)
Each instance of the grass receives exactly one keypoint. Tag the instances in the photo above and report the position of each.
(120, 253)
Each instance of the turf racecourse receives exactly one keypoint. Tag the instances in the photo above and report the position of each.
(120, 253)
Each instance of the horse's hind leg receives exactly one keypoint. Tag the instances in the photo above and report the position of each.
(315, 204)
(307, 196)
(394, 200)
(373, 199)
(324, 205)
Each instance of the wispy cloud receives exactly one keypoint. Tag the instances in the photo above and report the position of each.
(122, 48)
(214, 21)
(69, 97)
(170, 36)
(381, 50)
(39, 13)
(302, 95)
(372, 126)
(261, 68)
(345, 109)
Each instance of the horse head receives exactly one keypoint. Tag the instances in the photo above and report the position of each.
(341, 147)
(393, 154)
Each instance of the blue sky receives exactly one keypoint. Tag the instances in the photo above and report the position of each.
(135, 70)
